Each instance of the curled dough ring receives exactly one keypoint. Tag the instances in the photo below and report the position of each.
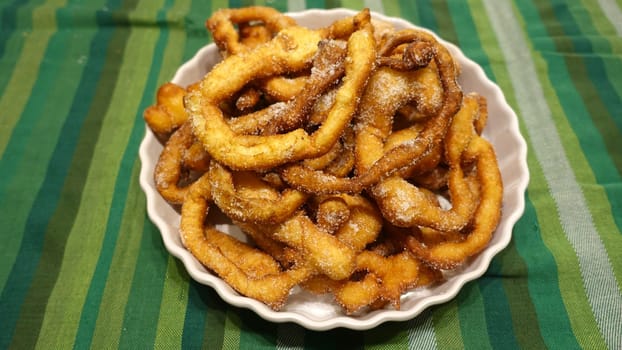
(172, 164)
(222, 25)
(271, 288)
(406, 205)
(257, 208)
(291, 49)
(402, 156)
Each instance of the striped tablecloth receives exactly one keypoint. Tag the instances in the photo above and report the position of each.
(82, 266)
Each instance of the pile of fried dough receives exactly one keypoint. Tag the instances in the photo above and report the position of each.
(348, 155)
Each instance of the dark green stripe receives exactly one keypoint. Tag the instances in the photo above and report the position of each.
(235, 3)
(196, 313)
(471, 315)
(143, 306)
(433, 16)
(334, 339)
(215, 318)
(15, 19)
(256, 333)
(280, 5)
(316, 3)
(194, 26)
(543, 276)
(446, 325)
(390, 335)
(427, 18)
(496, 307)
(513, 271)
(602, 85)
(445, 27)
(56, 205)
(408, 11)
(467, 37)
(333, 3)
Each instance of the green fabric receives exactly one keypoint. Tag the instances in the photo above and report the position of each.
(82, 266)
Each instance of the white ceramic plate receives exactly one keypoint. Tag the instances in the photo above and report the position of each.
(320, 313)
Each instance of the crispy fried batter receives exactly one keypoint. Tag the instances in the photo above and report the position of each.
(347, 154)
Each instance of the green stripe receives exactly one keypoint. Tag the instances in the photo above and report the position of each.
(515, 274)
(196, 314)
(255, 332)
(392, 8)
(315, 4)
(235, 3)
(143, 302)
(148, 282)
(602, 27)
(231, 336)
(550, 310)
(196, 34)
(497, 310)
(445, 27)
(353, 4)
(16, 25)
(467, 36)
(606, 32)
(408, 11)
(333, 3)
(583, 70)
(612, 64)
(115, 295)
(447, 325)
(472, 318)
(392, 335)
(215, 318)
(280, 5)
(543, 270)
(170, 325)
(93, 299)
(129, 207)
(427, 19)
(608, 92)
